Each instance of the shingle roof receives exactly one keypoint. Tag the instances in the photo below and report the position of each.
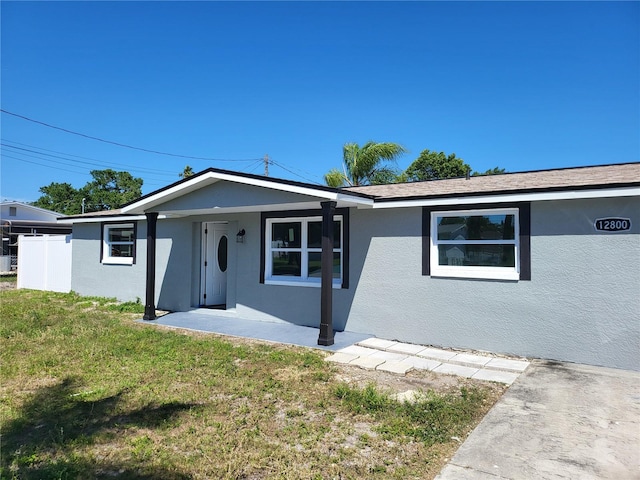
(603, 176)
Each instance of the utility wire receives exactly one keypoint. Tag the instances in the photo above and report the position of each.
(66, 155)
(45, 165)
(294, 173)
(122, 144)
(103, 165)
(253, 167)
(85, 173)
(58, 162)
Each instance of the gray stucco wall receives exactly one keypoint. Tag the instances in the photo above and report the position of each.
(90, 277)
(582, 303)
(224, 194)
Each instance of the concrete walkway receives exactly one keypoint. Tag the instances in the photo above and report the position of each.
(557, 421)
(400, 358)
(352, 348)
(223, 323)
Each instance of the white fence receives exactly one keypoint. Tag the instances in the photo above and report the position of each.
(44, 262)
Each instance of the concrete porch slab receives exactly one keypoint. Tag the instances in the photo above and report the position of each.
(231, 325)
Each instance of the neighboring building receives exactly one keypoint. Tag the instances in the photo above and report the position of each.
(19, 218)
(541, 264)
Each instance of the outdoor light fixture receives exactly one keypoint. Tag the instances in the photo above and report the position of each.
(240, 236)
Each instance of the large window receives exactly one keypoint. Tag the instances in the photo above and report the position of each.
(293, 250)
(119, 243)
(481, 243)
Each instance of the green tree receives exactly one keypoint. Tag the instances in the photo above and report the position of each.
(60, 197)
(187, 172)
(432, 165)
(491, 171)
(108, 190)
(111, 189)
(365, 165)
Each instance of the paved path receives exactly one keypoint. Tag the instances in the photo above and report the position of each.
(400, 358)
(222, 323)
(557, 421)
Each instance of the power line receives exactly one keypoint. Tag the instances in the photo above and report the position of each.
(252, 167)
(59, 162)
(45, 165)
(294, 173)
(123, 144)
(103, 165)
(100, 163)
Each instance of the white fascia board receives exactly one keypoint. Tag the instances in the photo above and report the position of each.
(299, 189)
(517, 197)
(353, 200)
(212, 177)
(105, 218)
(170, 193)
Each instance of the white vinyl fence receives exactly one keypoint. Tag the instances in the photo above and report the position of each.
(44, 262)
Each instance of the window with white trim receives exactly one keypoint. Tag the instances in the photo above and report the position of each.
(293, 251)
(481, 243)
(119, 243)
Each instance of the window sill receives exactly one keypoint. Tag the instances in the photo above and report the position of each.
(483, 274)
(300, 283)
(117, 261)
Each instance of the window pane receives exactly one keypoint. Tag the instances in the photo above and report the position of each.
(285, 235)
(222, 253)
(314, 234)
(315, 267)
(121, 234)
(477, 255)
(286, 263)
(477, 227)
(122, 250)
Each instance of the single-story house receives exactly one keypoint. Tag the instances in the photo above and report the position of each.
(541, 264)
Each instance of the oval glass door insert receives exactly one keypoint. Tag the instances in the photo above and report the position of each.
(222, 253)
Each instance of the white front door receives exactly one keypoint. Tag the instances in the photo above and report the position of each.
(215, 245)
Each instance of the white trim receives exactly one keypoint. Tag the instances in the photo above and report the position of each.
(212, 177)
(107, 259)
(481, 272)
(303, 249)
(511, 197)
(337, 283)
(103, 218)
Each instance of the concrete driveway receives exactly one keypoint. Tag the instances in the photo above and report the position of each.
(557, 421)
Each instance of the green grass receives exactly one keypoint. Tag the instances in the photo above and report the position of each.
(9, 278)
(87, 393)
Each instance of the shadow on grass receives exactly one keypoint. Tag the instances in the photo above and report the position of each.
(57, 422)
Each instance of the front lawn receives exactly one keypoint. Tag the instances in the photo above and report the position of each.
(87, 393)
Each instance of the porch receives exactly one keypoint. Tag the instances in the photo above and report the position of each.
(212, 321)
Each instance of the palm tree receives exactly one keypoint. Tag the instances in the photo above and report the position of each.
(363, 165)
(187, 172)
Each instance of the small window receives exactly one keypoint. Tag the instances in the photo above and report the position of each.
(475, 244)
(13, 211)
(119, 244)
(294, 249)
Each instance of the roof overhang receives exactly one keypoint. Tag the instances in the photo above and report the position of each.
(509, 197)
(100, 218)
(211, 176)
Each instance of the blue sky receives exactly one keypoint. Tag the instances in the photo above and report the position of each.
(520, 85)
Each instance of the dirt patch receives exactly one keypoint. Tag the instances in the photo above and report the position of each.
(7, 284)
(418, 380)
